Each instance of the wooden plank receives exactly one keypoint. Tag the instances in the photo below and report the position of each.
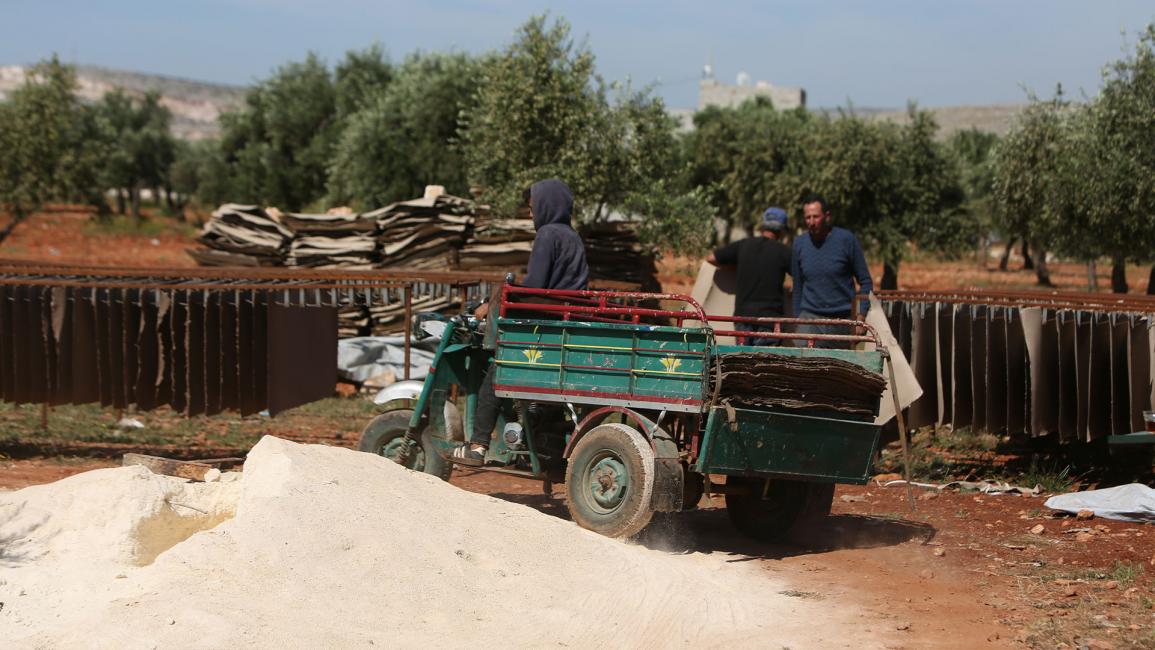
(190, 469)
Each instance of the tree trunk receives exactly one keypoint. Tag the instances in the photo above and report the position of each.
(1028, 263)
(1006, 259)
(169, 201)
(19, 215)
(1092, 277)
(889, 276)
(1042, 273)
(1151, 282)
(135, 191)
(1119, 275)
(120, 201)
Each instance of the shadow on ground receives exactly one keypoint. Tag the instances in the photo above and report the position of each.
(708, 530)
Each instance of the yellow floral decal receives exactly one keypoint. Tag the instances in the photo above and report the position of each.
(671, 363)
(533, 354)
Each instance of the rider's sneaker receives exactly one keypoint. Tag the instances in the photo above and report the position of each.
(469, 454)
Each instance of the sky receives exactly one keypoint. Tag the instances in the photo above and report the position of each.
(875, 54)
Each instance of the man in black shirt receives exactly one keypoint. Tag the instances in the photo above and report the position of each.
(763, 263)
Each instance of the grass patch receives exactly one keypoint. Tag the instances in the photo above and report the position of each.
(1048, 475)
(122, 225)
(1126, 572)
(963, 439)
(335, 420)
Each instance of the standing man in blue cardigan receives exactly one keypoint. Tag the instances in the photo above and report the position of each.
(827, 261)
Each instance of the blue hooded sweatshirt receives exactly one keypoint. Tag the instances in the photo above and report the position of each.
(558, 259)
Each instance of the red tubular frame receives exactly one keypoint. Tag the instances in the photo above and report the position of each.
(596, 306)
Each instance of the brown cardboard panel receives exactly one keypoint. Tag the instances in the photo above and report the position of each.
(1139, 342)
(1040, 338)
(1018, 384)
(996, 360)
(979, 380)
(888, 309)
(103, 354)
(36, 339)
(261, 350)
(7, 345)
(246, 387)
(47, 343)
(1068, 396)
(1083, 333)
(130, 333)
(165, 347)
(1099, 378)
(85, 358)
(178, 371)
(302, 355)
(1120, 374)
(924, 410)
(944, 333)
(147, 351)
(114, 346)
(212, 353)
(62, 340)
(21, 350)
(230, 371)
(905, 331)
(195, 349)
(963, 403)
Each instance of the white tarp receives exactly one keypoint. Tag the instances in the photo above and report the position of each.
(1132, 502)
(382, 358)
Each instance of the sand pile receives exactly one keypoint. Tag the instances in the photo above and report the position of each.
(331, 547)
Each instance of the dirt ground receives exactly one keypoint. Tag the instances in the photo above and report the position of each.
(960, 571)
(963, 570)
(66, 234)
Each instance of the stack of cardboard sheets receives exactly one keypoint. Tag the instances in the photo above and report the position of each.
(764, 380)
(615, 253)
(243, 235)
(437, 231)
(341, 239)
(423, 233)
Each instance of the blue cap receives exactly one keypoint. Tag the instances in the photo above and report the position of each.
(774, 219)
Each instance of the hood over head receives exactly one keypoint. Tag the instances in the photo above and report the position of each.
(551, 201)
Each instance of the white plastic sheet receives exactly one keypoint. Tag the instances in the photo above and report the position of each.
(1132, 502)
(365, 358)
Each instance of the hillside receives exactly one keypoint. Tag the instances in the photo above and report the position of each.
(195, 105)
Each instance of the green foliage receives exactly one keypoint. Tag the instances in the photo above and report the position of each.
(538, 113)
(1050, 475)
(140, 147)
(1081, 178)
(49, 144)
(541, 111)
(973, 151)
(889, 184)
(200, 170)
(361, 78)
(278, 146)
(1027, 191)
(1110, 162)
(403, 139)
(748, 158)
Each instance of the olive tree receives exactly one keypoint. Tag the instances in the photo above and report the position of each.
(404, 137)
(49, 144)
(1027, 195)
(542, 111)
